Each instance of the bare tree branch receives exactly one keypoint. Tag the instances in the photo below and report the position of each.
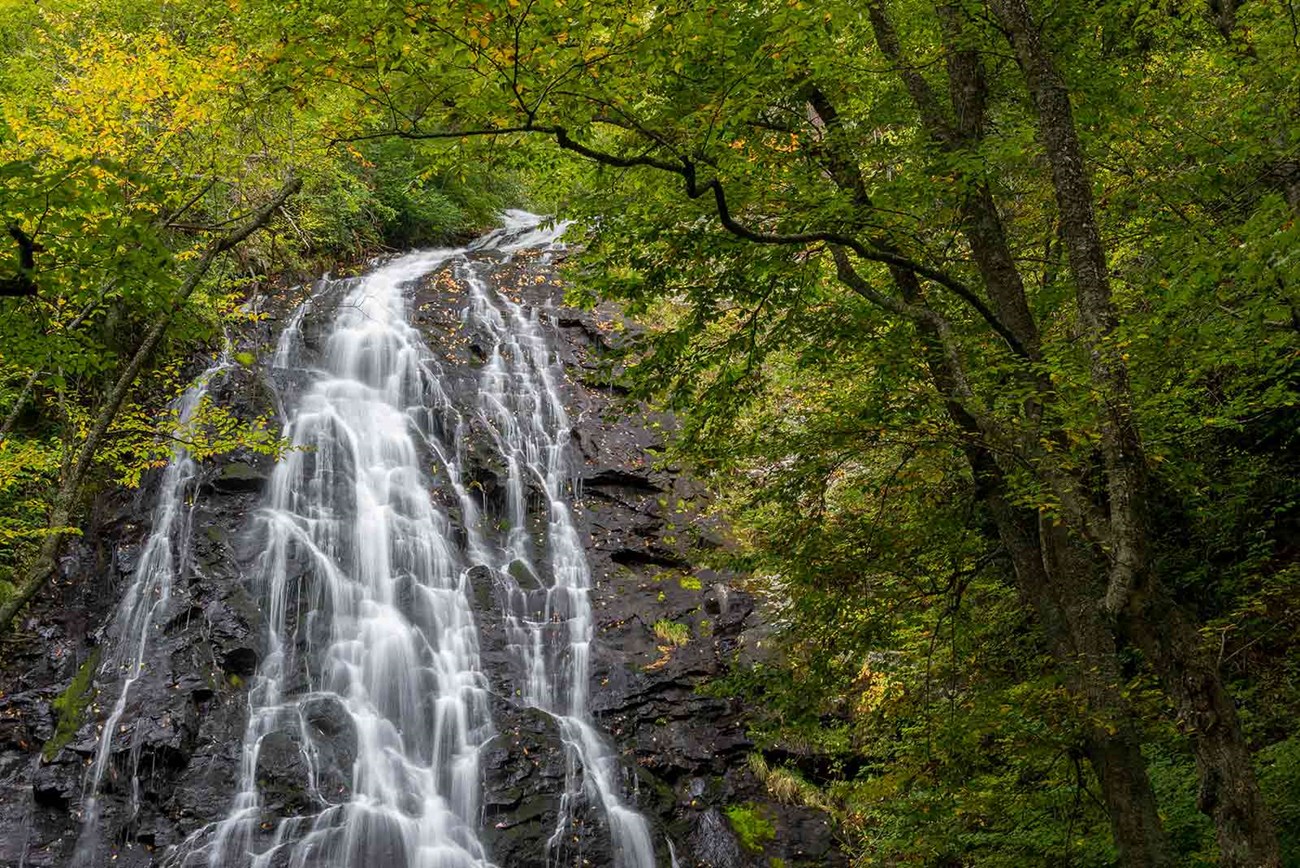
(686, 169)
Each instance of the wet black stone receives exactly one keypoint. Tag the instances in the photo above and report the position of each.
(240, 661)
(56, 785)
(682, 755)
(283, 774)
(239, 476)
(617, 478)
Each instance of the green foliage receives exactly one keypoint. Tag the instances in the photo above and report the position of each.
(1280, 778)
(132, 135)
(399, 194)
(672, 633)
(908, 689)
(70, 706)
(29, 467)
(429, 200)
(908, 677)
(752, 829)
(1174, 777)
(908, 673)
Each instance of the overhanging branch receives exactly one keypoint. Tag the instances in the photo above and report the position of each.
(686, 170)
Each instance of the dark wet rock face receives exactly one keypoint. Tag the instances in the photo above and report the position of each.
(525, 768)
(663, 629)
(713, 843)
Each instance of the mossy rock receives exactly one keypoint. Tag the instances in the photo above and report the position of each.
(70, 707)
(752, 829)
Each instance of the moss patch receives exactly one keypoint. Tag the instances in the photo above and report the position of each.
(752, 829)
(70, 707)
(672, 633)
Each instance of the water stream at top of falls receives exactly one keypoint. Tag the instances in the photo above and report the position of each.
(364, 581)
(162, 560)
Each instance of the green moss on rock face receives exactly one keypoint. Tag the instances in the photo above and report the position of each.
(70, 707)
(672, 633)
(752, 829)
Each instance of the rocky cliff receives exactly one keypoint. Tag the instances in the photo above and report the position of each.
(664, 628)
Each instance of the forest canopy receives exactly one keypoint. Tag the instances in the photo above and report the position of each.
(980, 318)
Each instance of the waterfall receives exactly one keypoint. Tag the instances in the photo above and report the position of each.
(549, 623)
(370, 639)
(291, 335)
(161, 560)
(371, 672)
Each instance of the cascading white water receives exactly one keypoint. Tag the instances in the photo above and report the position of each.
(369, 626)
(370, 637)
(290, 336)
(162, 559)
(549, 624)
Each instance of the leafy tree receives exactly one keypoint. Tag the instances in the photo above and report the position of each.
(956, 189)
(982, 313)
(140, 145)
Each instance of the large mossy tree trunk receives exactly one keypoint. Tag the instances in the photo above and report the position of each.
(1057, 579)
(1054, 574)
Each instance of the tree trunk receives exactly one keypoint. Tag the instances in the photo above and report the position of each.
(1059, 581)
(1053, 576)
(1229, 791)
(1121, 447)
(981, 223)
(65, 501)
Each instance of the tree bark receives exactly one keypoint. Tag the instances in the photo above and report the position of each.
(24, 282)
(981, 223)
(1051, 571)
(1229, 791)
(1052, 574)
(1121, 446)
(1052, 577)
(65, 501)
